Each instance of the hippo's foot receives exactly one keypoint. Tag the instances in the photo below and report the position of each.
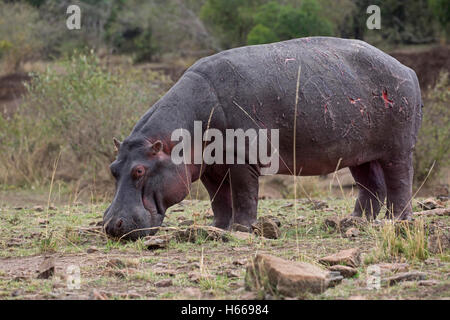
(221, 224)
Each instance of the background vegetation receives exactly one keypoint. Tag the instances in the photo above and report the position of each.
(89, 85)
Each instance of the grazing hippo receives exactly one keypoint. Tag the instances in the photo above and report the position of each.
(341, 103)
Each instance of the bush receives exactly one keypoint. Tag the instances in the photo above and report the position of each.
(434, 136)
(73, 110)
(20, 29)
(275, 22)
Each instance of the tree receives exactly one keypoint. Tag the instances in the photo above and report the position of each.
(275, 22)
(441, 10)
(230, 20)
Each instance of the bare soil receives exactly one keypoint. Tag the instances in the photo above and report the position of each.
(204, 269)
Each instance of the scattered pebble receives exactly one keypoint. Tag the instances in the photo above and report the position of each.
(349, 257)
(404, 276)
(164, 283)
(345, 271)
(266, 228)
(47, 268)
(92, 249)
(352, 233)
(38, 208)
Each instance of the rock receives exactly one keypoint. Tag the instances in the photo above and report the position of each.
(130, 295)
(274, 219)
(287, 205)
(266, 228)
(345, 271)
(47, 268)
(404, 276)
(42, 222)
(437, 212)
(164, 283)
(157, 242)
(428, 283)
(331, 222)
(38, 208)
(197, 276)
(186, 223)
(92, 249)
(289, 278)
(352, 222)
(192, 233)
(318, 204)
(240, 228)
(115, 263)
(392, 267)
(240, 262)
(231, 274)
(334, 278)
(118, 273)
(349, 257)
(429, 204)
(19, 208)
(165, 272)
(351, 233)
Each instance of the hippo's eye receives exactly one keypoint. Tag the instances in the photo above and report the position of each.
(138, 172)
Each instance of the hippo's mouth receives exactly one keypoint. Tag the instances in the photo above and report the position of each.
(152, 209)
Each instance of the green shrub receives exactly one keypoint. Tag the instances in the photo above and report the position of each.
(73, 110)
(275, 22)
(434, 136)
(19, 34)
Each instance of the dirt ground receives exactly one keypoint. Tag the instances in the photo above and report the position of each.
(203, 269)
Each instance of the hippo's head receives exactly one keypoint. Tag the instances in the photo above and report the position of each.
(147, 183)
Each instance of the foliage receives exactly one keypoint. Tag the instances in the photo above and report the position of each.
(441, 10)
(275, 22)
(20, 38)
(230, 20)
(434, 137)
(73, 109)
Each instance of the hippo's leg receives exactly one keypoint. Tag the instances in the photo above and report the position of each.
(372, 189)
(218, 187)
(398, 174)
(244, 187)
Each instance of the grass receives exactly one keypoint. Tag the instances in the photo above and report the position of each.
(23, 243)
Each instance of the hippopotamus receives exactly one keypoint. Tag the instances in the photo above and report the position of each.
(336, 103)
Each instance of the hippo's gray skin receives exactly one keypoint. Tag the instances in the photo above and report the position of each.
(357, 107)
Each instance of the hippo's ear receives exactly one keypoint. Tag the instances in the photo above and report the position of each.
(117, 144)
(157, 146)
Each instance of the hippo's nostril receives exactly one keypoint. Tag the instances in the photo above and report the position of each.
(119, 223)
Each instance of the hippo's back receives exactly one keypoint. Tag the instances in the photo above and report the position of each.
(351, 96)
